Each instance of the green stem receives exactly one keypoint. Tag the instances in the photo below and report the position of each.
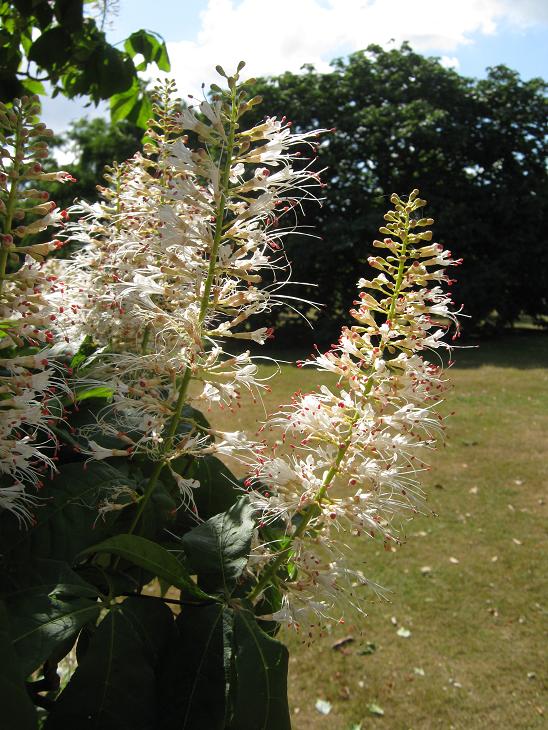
(144, 342)
(221, 207)
(10, 204)
(401, 268)
(310, 511)
(167, 444)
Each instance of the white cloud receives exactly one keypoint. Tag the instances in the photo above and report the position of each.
(450, 62)
(282, 36)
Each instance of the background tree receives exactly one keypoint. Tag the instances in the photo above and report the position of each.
(476, 148)
(72, 54)
(95, 143)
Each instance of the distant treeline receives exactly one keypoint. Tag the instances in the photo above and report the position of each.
(477, 149)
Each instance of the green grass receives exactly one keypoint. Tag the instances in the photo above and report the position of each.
(476, 653)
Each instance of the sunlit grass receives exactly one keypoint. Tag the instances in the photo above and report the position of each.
(469, 584)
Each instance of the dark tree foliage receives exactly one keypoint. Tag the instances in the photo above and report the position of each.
(476, 148)
(96, 143)
(72, 54)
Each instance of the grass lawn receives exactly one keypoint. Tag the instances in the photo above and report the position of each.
(468, 585)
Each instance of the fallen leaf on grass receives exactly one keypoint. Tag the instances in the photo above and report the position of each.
(455, 561)
(516, 541)
(344, 693)
(342, 642)
(369, 648)
(426, 570)
(419, 671)
(404, 633)
(394, 621)
(375, 709)
(473, 490)
(323, 707)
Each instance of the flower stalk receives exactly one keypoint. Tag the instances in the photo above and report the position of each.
(365, 437)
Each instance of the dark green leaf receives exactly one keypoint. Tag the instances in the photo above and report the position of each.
(114, 688)
(141, 111)
(68, 521)
(218, 549)
(260, 699)
(14, 700)
(70, 13)
(51, 47)
(48, 611)
(194, 683)
(218, 490)
(151, 557)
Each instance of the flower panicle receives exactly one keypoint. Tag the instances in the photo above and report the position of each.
(33, 384)
(177, 261)
(356, 451)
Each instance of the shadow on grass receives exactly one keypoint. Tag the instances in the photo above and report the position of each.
(514, 348)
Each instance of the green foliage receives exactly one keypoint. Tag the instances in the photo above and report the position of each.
(217, 491)
(97, 143)
(138, 665)
(67, 522)
(225, 673)
(15, 701)
(218, 550)
(197, 668)
(151, 557)
(261, 671)
(478, 148)
(71, 53)
(49, 607)
(114, 687)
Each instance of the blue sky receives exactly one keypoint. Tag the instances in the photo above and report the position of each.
(469, 35)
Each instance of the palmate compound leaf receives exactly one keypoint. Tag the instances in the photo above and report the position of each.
(115, 686)
(47, 607)
(151, 557)
(218, 550)
(14, 699)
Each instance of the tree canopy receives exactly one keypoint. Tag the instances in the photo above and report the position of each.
(71, 52)
(476, 148)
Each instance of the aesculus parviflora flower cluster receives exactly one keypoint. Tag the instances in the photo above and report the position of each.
(30, 380)
(352, 454)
